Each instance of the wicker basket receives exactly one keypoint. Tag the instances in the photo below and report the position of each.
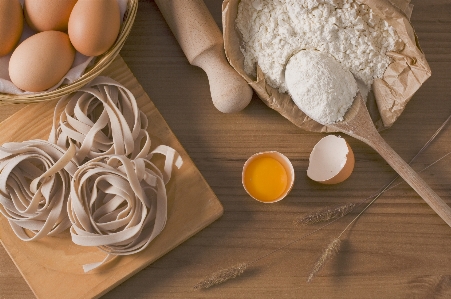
(101, 63)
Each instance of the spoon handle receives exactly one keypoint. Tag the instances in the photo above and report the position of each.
(358, 124)
(411, 177)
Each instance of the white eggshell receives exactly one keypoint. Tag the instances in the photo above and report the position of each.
(331, 160)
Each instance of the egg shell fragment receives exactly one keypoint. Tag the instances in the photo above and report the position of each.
(41, 61)
(331, 161)
(94, 26)
(11, 25)
(45, 15)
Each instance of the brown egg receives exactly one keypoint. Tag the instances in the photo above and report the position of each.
(45, 15)
(94, 26)
(41, 61)
(331, 160)
(11, 25)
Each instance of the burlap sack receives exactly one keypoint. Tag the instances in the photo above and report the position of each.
(389, 95)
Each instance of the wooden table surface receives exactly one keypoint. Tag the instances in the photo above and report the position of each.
(399, 248)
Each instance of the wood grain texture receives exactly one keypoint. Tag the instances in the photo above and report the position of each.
(53, 266)
(357, 123)
(201, 40)
(399, 248)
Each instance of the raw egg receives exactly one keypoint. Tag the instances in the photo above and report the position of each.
(94, 26)
(268, 176)
(331, 160)
(41, 61)
(11, 25)
(44, 15)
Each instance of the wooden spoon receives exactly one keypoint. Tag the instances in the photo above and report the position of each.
(358, 124)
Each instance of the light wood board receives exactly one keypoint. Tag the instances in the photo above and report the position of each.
(52, 267)
(399, 248)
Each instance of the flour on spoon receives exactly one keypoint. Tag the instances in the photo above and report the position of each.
(320, 86)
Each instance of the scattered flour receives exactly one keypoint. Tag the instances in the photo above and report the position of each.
(274, 30)
(320, 86)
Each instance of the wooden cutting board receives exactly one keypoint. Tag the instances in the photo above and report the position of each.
(52, 266)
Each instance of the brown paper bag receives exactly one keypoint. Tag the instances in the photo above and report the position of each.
(389, 95)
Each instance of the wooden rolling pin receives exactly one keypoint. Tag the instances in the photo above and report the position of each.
(203, 45)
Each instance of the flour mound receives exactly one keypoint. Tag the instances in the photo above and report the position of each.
(320, 86)
(274, 30)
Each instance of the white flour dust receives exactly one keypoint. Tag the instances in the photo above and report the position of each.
(274, 30)
(320, 86)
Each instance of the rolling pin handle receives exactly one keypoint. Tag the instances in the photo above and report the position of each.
(229, 92)
(202, 43)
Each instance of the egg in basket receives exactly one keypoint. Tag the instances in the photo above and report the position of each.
(55, 48)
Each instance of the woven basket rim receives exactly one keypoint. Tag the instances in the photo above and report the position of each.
(102, 62)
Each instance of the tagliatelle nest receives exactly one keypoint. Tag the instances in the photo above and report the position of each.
(102, 118)
(34, 185)
(115, 201)
(119, 204)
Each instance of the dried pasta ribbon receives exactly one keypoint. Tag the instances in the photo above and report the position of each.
(35, 177)
(119, 204)
(101, 119)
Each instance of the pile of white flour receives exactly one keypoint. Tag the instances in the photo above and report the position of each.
(273, 30)
(320, 86)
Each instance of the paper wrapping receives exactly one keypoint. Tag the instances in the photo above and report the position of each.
(389, 95)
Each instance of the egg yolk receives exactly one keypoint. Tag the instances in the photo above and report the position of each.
(265, 178)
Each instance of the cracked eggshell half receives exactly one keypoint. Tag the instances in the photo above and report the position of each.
(331, 161)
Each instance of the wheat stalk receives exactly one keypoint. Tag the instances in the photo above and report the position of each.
(331, 215)
(326, 214)
(330, 251)
(221, 276)
(333, 248)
